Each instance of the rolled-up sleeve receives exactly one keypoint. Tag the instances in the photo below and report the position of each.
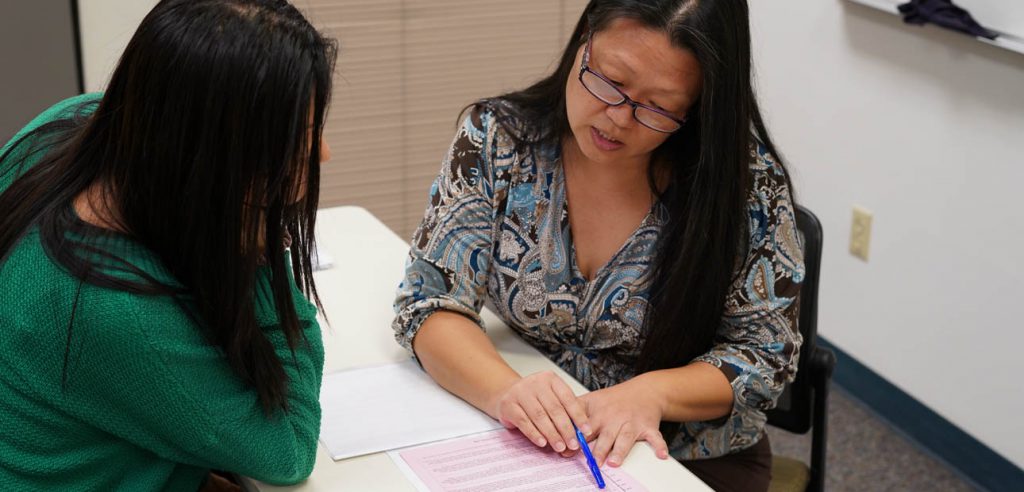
(758, 342)
(450, 255)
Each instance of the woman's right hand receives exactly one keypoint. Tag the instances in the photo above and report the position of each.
(540, 406)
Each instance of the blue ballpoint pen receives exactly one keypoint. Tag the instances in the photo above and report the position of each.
(594, 470)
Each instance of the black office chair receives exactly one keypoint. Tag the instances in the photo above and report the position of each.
(803, 405)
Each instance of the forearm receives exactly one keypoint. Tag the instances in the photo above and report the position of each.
(692, 393)
(460, 357)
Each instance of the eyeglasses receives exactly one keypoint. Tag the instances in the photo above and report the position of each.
(604, 90)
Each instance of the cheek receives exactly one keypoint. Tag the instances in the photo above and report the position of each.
(580, 106)
(652, 140)
(325, 151)
(572, 109)
(301, 192)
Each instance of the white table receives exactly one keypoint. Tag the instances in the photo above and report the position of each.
(357, 293)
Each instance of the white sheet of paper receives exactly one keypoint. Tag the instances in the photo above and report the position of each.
(373, 409)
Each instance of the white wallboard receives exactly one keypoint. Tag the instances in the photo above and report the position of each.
(923, 128)
(1006, 16)
(106, 26)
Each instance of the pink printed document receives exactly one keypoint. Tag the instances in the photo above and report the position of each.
(502, 460)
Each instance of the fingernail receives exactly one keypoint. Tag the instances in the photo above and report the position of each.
(613, 461)
(574, 444)
(559, 447)
(587, 430)
(541, 442)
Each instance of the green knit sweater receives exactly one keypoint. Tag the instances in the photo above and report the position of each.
(148, 404)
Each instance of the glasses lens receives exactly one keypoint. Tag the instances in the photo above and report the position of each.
(600, 88)
(656, 120)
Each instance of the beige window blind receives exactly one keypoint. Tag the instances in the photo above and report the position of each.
(405, 70)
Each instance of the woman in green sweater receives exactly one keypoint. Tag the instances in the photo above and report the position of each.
(155, 261)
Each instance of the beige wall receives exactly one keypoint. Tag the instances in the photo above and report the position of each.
(405, 70)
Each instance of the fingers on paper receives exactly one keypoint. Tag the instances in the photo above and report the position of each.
(542, 412)
(573, 406)
(603, 444)
(560, 418)
(518, 417)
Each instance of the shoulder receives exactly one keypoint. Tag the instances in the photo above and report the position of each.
(766, 166)
(143, 266)
(770, 203)
(132, 323)
(80, 104)
(509, 124)
(68, 108)
(72, 106)
(47, 301)
(165, 320)
(770, 182)
(485, 125)
(483, 147)
(35, 139)
(473, 136)
(113, 311)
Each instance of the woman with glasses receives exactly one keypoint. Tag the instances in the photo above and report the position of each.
(627, 216)
(155, 274)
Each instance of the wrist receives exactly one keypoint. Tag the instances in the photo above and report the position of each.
(650, 385)
(492, 405)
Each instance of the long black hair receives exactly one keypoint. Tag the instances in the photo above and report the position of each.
(707, 232)
(201, 147)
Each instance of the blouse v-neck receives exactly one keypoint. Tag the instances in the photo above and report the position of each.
(561, 182)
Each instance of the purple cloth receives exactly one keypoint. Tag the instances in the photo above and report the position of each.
(943, 13)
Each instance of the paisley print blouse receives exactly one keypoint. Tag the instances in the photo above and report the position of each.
(496, 230)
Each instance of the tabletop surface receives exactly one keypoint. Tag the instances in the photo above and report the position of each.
(357, 294)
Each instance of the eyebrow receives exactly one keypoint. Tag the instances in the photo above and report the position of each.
(629, 68)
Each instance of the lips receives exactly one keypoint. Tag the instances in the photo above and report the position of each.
(603, 141)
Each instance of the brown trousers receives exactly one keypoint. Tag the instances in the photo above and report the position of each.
(749, 470)
(217, 481)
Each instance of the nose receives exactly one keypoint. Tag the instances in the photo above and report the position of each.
(621, 115)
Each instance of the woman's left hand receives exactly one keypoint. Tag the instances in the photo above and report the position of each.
(621, 415)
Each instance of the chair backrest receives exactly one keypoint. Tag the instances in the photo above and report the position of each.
(794, 410)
